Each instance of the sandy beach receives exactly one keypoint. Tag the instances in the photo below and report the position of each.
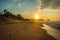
(23, 31)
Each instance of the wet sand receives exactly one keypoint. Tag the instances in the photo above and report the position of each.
(52, 31)
(23, 31)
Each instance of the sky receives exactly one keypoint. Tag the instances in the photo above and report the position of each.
(47, 9)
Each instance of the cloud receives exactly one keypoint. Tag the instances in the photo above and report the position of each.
(16, 0)
(54, 4)
(21, 4)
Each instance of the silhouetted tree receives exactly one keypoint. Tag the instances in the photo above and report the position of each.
(1, 16)
(41, 19)
(48, 19)
(19, 16)
(8, 14)
(0, 13)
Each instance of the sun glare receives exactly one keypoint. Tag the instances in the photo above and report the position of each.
(36, 16)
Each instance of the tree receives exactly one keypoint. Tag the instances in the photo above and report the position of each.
(48, 19)
(7, 13)
(41, 19)
(0, 13)
(19, 16)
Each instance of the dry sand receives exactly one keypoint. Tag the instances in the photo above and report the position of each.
(23, 31)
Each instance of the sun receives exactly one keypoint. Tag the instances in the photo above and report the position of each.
(37, 16)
